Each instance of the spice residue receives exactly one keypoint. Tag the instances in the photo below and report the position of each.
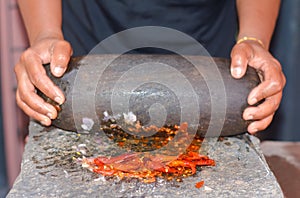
(199, 184)
(148, 167)
(144, 165)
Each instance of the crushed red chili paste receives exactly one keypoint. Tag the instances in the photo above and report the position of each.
(146, 166)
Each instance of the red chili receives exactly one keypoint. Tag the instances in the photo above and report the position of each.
(199, 184)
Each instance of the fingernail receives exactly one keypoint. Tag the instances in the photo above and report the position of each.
(50, 115)
(253, 101)
(253, 130)
(58, 70)
(59, 100)
(250, 117)
(236, 71)
(44, 122)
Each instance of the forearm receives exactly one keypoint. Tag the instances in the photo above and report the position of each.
(257, 18)
(42, 18)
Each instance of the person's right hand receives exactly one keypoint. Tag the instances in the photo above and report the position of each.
(31, 75)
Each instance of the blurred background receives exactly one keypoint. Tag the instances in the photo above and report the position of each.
(13, 123)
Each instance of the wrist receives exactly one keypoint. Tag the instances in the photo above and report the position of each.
(251, 39)
(254, 37)
(47, 34)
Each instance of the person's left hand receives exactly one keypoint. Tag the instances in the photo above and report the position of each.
(273, 81)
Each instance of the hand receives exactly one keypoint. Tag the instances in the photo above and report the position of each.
(273, 81)
(31, 75)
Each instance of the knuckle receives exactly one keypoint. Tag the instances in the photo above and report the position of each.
(264, 94)
(283, 79)
(274, 105)
(19, 102)
(22, 94)
(22, 105)
(38, 107)
(277, 86)
(277, 63)
(62, 58)
(235, 51)
(27, 53)
(26, 107)
(35, 115)
(16, 68)
(62, 52)
(245, 46)
(245, 50)
(66, 44)
(63, 45)
(36, 78)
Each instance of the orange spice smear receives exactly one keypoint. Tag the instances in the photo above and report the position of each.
(199, 184)
(147, 167)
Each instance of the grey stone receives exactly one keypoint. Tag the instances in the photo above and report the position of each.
(49, 170)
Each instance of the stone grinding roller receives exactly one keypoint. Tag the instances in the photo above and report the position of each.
(121, 88)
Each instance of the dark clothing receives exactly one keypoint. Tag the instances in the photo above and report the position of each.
(212, 22)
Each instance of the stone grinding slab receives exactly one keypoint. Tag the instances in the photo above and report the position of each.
(49, 171)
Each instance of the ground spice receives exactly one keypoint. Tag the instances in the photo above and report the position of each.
(144, 165)
(199, 184)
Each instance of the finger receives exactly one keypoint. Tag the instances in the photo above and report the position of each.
(273, 81)
(260, 124)
(240, 56)
(33, 114)
(264, 90)
(37, 104)
(37, 75)
(267, 108)
(61, 52)
(26, 94)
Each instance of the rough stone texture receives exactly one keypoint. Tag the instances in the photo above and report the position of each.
(49, 170)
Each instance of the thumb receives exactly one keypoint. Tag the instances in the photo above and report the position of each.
(61, 53)
(240, 56)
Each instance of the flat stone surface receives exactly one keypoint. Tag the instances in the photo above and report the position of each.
(49, 170)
